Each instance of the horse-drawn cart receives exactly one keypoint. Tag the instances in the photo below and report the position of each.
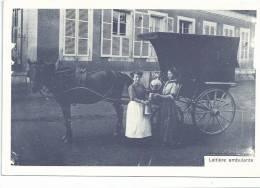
(207, 70)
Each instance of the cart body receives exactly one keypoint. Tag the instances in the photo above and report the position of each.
(207, 68)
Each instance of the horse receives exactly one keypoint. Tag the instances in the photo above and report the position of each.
(104, 85)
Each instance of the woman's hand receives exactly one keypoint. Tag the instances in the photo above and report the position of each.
(145, 102)
(155, 96)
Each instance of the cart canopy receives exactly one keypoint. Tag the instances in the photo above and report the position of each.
(203, 57)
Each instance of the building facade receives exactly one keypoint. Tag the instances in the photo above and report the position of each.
(107, 39)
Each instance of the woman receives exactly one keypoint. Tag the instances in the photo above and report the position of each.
(168, 113)
(137, 124)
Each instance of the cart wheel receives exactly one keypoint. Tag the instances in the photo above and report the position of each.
(186, 108)
(214, 111)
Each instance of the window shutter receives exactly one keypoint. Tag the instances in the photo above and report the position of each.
(145, 44)
(126, 40)
(212, 30)
(70, 32)
(126, 47)
(170, 24)
(244, 43)
(138, 22)
(106, 34)
(83, 32)
(116, 46)
(141, 25)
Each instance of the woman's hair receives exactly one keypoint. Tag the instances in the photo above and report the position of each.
(136, 72)
(176, 74)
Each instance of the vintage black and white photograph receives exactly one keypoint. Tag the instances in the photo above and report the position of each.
(132, 87)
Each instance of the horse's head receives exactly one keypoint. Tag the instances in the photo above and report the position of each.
(127, 80)
(40, 74)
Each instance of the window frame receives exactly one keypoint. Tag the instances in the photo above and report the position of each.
(188, 19)
(229, 27)
(75, 56)
(163, 28)
(128, 34)
(142, 28)
(118, 33)
(172, 20)
(210, 24)
(245, 30)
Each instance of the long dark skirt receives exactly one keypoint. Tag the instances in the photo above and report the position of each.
(167, 121)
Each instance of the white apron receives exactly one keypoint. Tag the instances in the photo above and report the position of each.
(137, 124)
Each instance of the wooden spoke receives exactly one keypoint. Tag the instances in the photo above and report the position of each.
(202, 117)
(227, 111)
(224, 118)
(205, 107)
(203, 112)
(215, 98)
(220, 124)
(223, 95)
(209, 101)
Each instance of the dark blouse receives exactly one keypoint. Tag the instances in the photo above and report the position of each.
(136, 91)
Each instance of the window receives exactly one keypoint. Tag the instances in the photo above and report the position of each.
(76, 32)
(244, 44)
(209, 28)
(119, 23)
(186, 25)
(116, 33)
(156, 25)
(228, 30)
(141, 25)
(170, 22)
(14, 25)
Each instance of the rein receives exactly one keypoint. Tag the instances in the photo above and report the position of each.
(104, 97)
(94, 92)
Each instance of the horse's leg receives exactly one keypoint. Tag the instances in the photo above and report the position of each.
(119, 125)
(67, 116)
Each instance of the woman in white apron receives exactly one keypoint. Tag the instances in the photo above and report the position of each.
(137, 124)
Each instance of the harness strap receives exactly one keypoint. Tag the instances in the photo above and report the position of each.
(93, 91)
